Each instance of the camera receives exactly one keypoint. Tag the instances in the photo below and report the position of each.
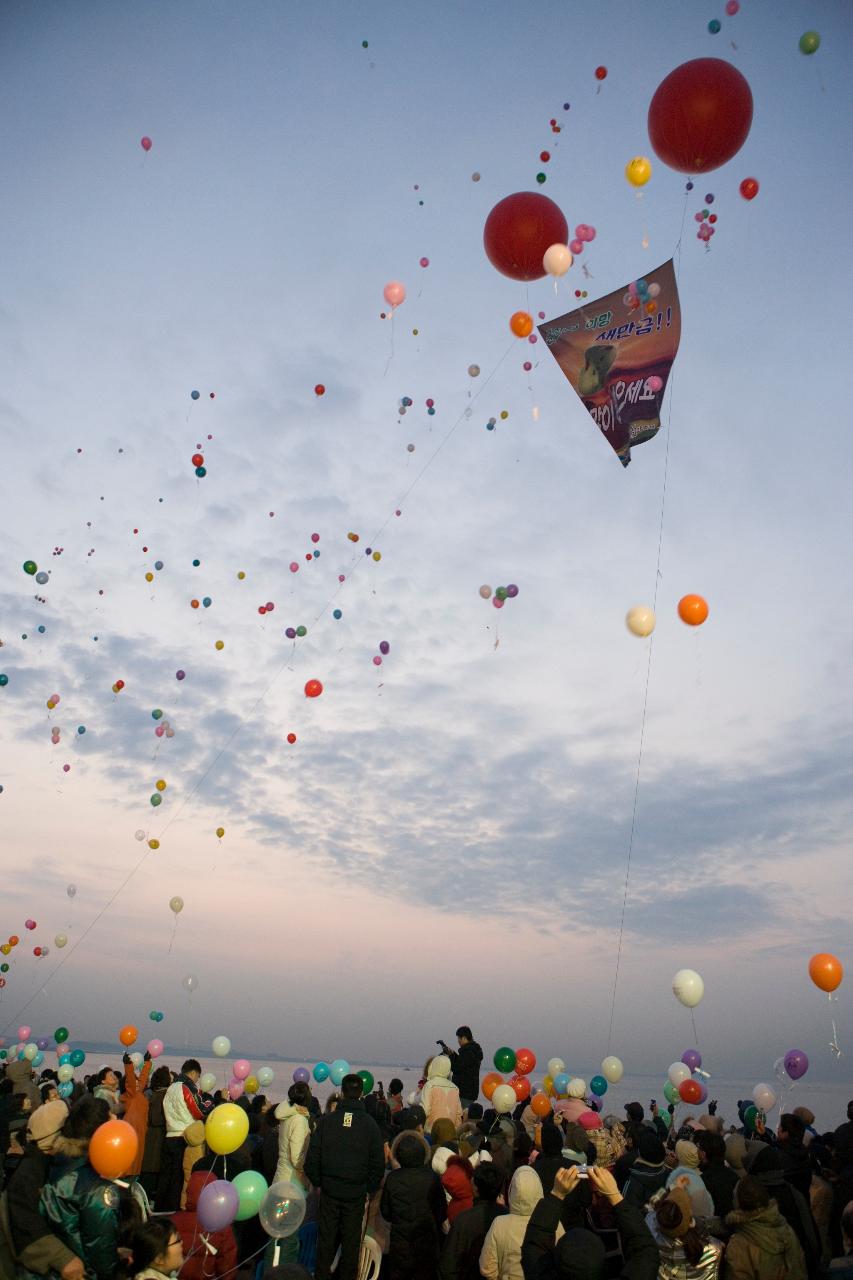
(583, 1171)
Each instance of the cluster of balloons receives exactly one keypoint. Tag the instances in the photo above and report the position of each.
(156, 1015)
(692, 609)
(198, 463)
(680, 1085)
(334, 1071)
(584, 234)
(501, 594)
(505, 1095)
(642, 294)
(118, 686)
(384, 650)
(156, 797)
(706, 220)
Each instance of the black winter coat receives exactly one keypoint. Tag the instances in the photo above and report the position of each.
(346, 1155)
(414, 1205)
(720, 1182)
(25, 1222)
(460, 1257)
(465, 1069)
(796, 1166)
(540, 1260)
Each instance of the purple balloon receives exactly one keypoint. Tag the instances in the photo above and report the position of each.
(512, 591)
(43, 1043)
(291, 633)
(301, 1075)
(796, 1063)
(703, 1091)
(218, 1205)
(180, 675)
(384, 646)
(691, 1058)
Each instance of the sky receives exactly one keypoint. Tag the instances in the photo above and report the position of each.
(446, 841)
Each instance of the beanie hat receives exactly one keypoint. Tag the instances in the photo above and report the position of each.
(47, 1121)
(589, 1120)
(678, 1197)
(804, 1114)
(687, 1154)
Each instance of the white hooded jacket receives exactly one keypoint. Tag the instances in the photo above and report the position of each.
(440, 1098)
(293, 1138)
(500, 1258)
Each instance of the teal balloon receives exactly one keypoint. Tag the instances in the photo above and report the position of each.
(65, 1059)
(367, 1081)
(153, 1015)
(750, 1116)
(714, 26)
(251, 1187)
(336, 613)
(504, 1058)
(337, 1071)
(156, 714)
(78, 1057)
(598, 1085)
(321, 1072)
(4, 680)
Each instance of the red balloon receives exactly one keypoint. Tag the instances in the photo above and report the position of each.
(145, 143)
(525, 1061)
(198, 459)
(519, 230)
(520, 1086)
(319, 390)
(700, 115)
(313, 689)
(291, 738)
(691, 1091)
(749, 188)
(601, 73)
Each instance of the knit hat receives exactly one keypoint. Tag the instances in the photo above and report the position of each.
(443, 1131)
(804, 1114)
(589, 1120)
(687, 1154)
(635, 1111)
(735, 1151)
(46, 1121)
(678, 1197)
(194, 1134)
(711, 1124)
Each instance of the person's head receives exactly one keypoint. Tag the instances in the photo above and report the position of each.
(332, 1103)
(412, 1120)
(299, 1095)
(395, 1088)
(107, 1078)
(488, 1182)
(409, 1152)
(351, 1088)
(442, 1132)
(687, 1154)
(674, 1216)
(575, 1137)
(45, 1124)
(192, 1070)
(751, 1195)
(791, 1129)
(847, 1225)
(161, 1078)
(551, 1140)
(156, 1244)
(464, 1035)
(711, 1148)
(475, 1111)
(635, 1112)
(806, 1115)
(48, 1091)
(85, 1117)
(650, 1149)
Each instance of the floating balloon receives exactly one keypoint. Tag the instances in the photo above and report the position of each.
(809, 42)
(688, 988)
(557, 259)
(319, 390)
(113, 1148)
(700, 115)
(321, 1072)
(313, 689)
(189, 982)
(282, 1210)
(520, 1086)
(60, 940)
(218, 1205)
(241, 1069)
(145, 143)
(504, 1059)
(127, 1035)
(337, 1071)
(176, 904)
(692, 1058)
(638, 171)
(693, 610)
(612, 1069)
(504, 1099)
(690, 1091)
(155, 1048)
(518, 232)
(266, 1075)
(226, 1128)
(541, 1105)
(749, 188)
(601, 73)
(221, 1046)
(251, 1187)
(764, 1097)
(598, 1085)
(796, 1063)
(825, 971)
(394, 293)
(525, 1061)
(678, 1072)
(640, 620)
(367, 1081)
(490, 1082)
(521, 323)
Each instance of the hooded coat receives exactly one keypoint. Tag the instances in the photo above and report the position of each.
(673, 1261)
(580, 1253)
(414, 1206)
(500, 1258)
(458, 1184)
(136, 1108)
(763, 1247)
(82, 1208)
(643, 1181)
(460, 1257)
(293, 1136)
(199, 1262)
(766, 1167)
(21, 1075)
(440, 1097)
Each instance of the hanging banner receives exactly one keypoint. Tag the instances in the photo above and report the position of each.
(617, 353)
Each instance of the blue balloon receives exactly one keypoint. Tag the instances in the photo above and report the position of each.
(336, 613)
(38, 1059)
(65, 1058)
(194, 395)
(321, 1072)
(598, 1085)
(64, 1089)
(561, 1082)
(338, 1069)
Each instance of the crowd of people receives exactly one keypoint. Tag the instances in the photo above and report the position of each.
(433, 1186)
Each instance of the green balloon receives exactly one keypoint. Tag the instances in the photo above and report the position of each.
(251, 1187)
(30, 566)
(504, 1058)
(302, 631)
(750, 1116)
(366, 1081)
(501, 594)
(156, 714)
(4, 968)
(670, 1092)
(809, 43)
(666, 1117)
(3, 1053)
(60, 1035)
(156, 799)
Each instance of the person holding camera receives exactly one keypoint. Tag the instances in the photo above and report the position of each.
(465, 1065)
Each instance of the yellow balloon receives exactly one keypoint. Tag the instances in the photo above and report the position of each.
(220, 831)
(241, 575)
(153, 844)
(226, 1128)
(149, 577)
(548, 1084)
(252, 1084)
(638, 171)
(640, 620)
(377, 555)
(220, 644)
(160, 784)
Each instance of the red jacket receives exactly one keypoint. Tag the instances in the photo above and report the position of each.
(458, 1182)
(199, 1262)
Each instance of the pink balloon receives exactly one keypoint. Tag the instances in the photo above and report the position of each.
(394, 293)
(576, 247)
(732, 8)
(235, 1088)
(654, 383)
(377, 661)
(24, 1033)
(160, 730)
(241, 1069)
(294, 566)
(155, 1048)
(146, 143)
(497, 602)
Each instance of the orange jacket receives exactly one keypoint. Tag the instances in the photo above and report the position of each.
(136, 1107)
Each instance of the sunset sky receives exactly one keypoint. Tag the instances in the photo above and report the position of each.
(446, 841)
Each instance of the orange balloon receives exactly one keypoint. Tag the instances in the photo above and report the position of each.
(113, 1148)
(826, 971)
(520, 1086)
(541, 1105)
(521, 323)
(693, 610)
(490, 1083)
(127, 1036)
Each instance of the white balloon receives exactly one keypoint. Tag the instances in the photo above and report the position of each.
(65, 1072)
(207, 1082)
(555, 1067)
(221, 1046)
(61, 940)
(688, 987)
(504, 1099)
(612, 1069)
(30, 1051)
(176, 904)
(137, 1059)
(577, 1087)
(71, 890)
(640, 620)
(557, 260)
(763, 1096)
(266, 1075)
(678, 1073)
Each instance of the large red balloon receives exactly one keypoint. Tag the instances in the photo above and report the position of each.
(519, 230)
(700, 115)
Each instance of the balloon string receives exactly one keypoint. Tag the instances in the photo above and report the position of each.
(695, 1032)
